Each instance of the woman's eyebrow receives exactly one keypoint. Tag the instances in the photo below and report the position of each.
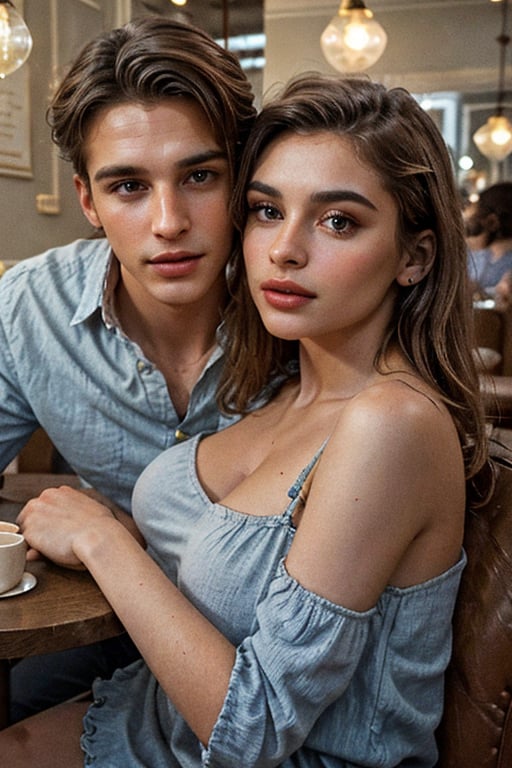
(265, 189)
(324, 196)
(336, 195)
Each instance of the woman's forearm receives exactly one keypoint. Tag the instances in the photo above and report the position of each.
(191, 660)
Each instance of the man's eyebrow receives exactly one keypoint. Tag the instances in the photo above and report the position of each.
(202, 157)
(327, 196)
(118, 171)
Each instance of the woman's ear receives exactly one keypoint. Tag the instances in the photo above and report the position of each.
(418, 259)
(86, 202)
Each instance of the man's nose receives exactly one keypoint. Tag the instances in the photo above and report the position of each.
(170, 215)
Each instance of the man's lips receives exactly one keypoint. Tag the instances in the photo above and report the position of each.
(174, 256)
(175, 264)
(285, 294)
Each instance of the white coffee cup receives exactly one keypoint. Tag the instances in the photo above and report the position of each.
(9, 527)
(13, 553)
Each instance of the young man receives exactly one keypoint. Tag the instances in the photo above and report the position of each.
(110, 344)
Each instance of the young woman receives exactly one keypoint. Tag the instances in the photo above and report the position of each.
(294, 605)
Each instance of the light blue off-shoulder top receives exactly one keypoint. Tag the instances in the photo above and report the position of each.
(314, 684)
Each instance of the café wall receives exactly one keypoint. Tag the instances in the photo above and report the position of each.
(433, 45)
(443, 51)
(59, 28)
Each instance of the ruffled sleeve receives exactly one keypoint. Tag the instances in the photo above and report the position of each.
(301, 657)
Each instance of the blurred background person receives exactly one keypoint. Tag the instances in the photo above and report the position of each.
(489, 222)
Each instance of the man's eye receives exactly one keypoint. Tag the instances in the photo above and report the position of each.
(201, 175)
(128, 187)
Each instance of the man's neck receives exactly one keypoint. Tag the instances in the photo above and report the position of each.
(179, 340)
(499, 247)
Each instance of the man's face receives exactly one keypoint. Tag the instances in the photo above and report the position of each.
(159, 186)
(473, 224)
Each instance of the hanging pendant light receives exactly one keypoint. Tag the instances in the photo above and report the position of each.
(494, 139)
(15, 39)
(353, 40)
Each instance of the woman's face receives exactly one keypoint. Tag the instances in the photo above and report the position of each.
(321, 242)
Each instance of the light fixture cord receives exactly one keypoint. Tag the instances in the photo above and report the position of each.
(503, 39)
(225, 23)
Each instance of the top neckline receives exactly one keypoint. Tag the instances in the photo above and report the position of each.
(294, 492)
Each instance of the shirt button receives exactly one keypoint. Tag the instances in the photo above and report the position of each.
(180, 436)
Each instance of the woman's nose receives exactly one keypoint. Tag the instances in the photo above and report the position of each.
(289, 247)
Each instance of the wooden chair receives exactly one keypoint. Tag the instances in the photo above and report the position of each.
(37, 454)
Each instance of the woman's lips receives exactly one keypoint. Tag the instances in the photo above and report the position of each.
(285, 294)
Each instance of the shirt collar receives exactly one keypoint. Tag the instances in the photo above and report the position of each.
(100, 280)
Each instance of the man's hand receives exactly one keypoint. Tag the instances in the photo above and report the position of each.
(52, 522)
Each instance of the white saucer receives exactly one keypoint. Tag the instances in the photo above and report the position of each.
(28, 581)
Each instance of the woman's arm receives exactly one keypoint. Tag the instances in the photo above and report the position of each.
(185, 652)
(123, 517)
(387, 502)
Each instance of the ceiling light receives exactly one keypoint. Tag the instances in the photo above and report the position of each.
(15, 39)
(494, 139)
(353, 40)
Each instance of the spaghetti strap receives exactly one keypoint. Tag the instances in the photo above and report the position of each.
(303, 482)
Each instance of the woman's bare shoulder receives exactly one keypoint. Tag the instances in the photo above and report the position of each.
(396, 401)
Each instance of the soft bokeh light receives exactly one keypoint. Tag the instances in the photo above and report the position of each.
(15, 39)
(353, 41)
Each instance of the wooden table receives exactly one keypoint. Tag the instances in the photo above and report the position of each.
(64, 610)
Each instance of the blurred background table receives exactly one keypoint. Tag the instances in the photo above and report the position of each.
(64, 610)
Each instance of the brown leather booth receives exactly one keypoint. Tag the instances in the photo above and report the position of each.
(476, 730)
(497, 398)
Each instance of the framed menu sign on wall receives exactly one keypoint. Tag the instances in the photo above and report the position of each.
(15, 154)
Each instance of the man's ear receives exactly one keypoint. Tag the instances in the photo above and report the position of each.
(491, 223)
(83, 191)
(418, 259)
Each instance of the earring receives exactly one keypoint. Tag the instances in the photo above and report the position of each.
(410, 280)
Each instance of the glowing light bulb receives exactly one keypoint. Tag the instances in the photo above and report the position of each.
(15, 39)
(353, 40)
(494, 139)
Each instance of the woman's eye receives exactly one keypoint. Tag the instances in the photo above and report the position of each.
(265, 212)
(338, 223)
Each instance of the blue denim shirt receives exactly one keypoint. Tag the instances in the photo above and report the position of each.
(66, 366)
